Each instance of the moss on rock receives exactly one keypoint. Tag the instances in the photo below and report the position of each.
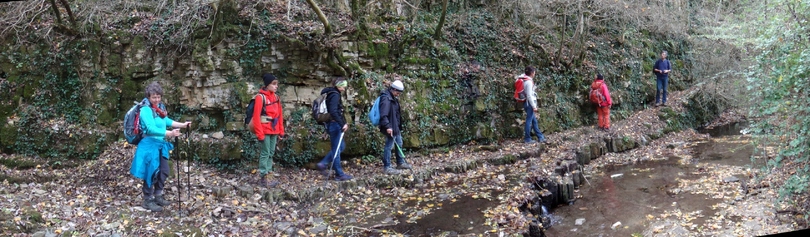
(8, 136)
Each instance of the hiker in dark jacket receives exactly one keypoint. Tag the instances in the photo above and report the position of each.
(335, 127)
(151, 161)
(662, 68)
(391, 126)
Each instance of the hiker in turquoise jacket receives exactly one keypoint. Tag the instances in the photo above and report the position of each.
(151, 162)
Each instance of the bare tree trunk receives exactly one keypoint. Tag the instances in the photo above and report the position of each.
(326, 28)
(69, 12)
(562, 33)
(438, 33)
(289, 6)
(415, 12)
(582, 39)
(579, 35)
(56, 12)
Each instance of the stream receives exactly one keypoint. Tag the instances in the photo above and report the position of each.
(621, 200)
(614, 200)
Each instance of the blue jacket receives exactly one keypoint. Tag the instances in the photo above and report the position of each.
(153, 125)
(147, 158)
(153, 146)
(662, 64)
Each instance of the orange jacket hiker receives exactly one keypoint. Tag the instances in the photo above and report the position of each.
(271, 123)
(603, 109)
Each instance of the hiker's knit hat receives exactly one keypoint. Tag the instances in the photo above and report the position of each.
(599, 76)
(268, 78)
(397, 85)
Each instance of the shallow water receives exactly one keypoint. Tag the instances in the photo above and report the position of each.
(637, 192)
(641, 190)
(465, 216)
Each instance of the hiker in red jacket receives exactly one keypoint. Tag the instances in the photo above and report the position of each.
(270, 127)
(603, 108)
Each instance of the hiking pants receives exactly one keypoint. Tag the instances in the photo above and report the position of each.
(389, 144)
(604, 116)
(661, 89)
(531, 124)
(334, 130)
(266, 155)
(158, 180)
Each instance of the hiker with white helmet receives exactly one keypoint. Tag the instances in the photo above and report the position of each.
(391, 126)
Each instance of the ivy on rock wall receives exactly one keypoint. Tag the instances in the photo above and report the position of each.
(458, 89)
(51, 100)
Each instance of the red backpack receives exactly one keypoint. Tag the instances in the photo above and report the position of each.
(596, 95)
(519, 95)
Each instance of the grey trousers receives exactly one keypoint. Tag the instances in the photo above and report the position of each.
(158, 180)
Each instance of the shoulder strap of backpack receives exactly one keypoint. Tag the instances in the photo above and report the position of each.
(327, 93)
(596, 85)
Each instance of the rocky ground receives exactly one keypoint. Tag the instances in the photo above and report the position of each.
(100, 198)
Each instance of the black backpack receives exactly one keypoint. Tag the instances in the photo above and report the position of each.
(132, 126)
(251, 106)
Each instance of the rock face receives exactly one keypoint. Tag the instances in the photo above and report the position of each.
(213, 76)
(212, 87)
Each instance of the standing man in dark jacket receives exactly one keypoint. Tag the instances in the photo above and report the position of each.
(662, 68)
(335, 127)
(391, 126)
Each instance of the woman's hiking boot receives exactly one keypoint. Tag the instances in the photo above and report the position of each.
(150, 204)
(390, 170)
(264, 181)
(404, 166)
(161, 201)
(343, 177)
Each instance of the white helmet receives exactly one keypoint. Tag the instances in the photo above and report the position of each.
(397, 85)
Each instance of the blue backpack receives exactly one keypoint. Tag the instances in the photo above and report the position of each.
(374, 114)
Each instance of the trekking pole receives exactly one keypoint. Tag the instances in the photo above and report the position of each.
(337, 150)
(399, 149)
(188, 162)
(177, 164)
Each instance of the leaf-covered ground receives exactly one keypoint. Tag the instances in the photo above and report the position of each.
(468, 189)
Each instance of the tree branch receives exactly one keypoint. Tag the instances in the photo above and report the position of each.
(69, 12)
(438, 33)
(326, 28)
(56, 12)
